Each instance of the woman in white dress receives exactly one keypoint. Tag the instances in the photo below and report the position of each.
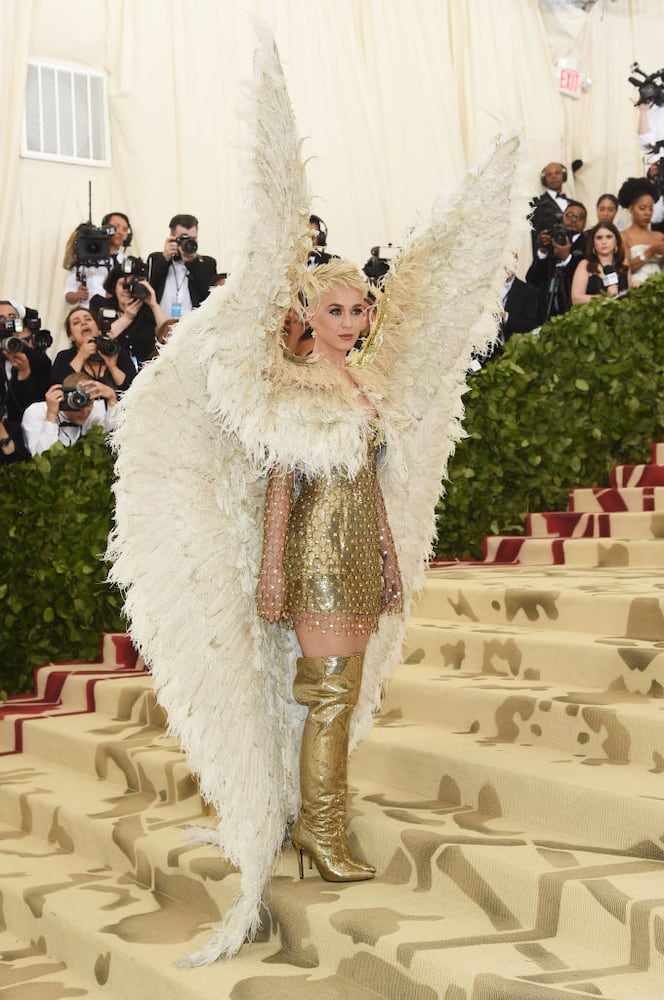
(644, 247)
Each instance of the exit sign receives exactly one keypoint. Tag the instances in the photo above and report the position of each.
(569, 82)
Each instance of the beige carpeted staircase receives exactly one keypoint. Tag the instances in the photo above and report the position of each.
(511, 795)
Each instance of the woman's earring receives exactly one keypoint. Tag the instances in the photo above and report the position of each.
(313, 334)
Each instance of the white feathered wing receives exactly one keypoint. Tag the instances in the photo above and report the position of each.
(186, 545)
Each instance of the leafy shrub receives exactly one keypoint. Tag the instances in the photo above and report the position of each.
(54, 520)
(557, 410)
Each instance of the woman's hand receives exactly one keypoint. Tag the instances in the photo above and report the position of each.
(133, 308)
(83, 354)
(99, 390)
(658, 244)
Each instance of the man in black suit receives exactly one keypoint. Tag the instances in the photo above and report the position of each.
(180, 276)
(519, 308)
(559, 250)
(548, 208)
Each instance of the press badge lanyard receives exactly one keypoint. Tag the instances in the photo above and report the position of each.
(176, 307)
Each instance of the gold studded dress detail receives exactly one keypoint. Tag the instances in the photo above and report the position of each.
(339, 562)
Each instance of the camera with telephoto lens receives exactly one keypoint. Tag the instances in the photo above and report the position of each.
(650, 86)
(186, 243)
(135, 271)
(10, 344)
(40, 339)
(75, 398)
(560, 235)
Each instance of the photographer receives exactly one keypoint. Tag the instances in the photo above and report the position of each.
(99, 357)
(24, 375)
(67, 413)
(559, 250)
(180, 276)
(650, 128)
(89, 258)
(548, 207)
(139, 315)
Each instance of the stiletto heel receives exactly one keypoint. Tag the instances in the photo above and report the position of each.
(300, 864)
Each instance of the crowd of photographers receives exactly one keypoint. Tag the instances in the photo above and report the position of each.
(122, 309)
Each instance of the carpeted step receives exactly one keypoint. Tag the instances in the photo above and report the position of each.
(577, 659)
(121, 931)
(494, 891)
(628, 605)
(623, 476)
(112, 932)
(28, 972)
(573, 524)
(598, 499)
(597, 727)
(67, 688)
(613, 985)
(538, 785)
(616, 552)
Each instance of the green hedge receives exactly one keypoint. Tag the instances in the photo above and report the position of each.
(557, 410)
(54, 520)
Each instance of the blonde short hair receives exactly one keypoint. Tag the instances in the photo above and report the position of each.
(320, 280)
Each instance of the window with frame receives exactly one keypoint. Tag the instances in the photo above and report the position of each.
(66, 115)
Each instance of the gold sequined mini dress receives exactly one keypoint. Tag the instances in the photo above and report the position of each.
(336, 545)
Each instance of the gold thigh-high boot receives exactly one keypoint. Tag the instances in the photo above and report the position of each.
(330, 687)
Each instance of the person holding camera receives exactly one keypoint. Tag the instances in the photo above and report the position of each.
(650, 125)
(93, 354)
(87, 276)
(548, 207)
(643, 245)
(27, 368)
(559, 250)
(138, 315)
(67, 413)
(180, 276)
(603, 270)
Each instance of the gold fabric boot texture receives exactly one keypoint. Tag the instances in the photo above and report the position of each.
(330, 687)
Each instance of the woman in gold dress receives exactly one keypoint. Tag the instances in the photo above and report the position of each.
(329, 570)
(274, 506)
